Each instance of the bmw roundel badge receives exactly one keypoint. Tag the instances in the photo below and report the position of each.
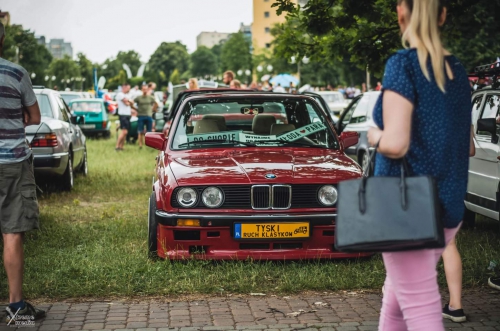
(270, 176)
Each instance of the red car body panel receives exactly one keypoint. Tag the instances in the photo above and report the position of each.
(247, 166)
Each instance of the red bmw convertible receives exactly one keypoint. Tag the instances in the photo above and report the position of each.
(248, 175)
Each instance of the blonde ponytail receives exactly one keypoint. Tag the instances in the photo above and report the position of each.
(422, 33)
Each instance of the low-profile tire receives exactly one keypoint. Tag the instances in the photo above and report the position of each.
(68, 179)
(469, 221)
(365, 157)
(84, 168)
(152, 228)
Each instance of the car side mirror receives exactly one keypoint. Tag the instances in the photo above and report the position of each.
(77, 119)
(488, 125)
(156, 140)
(349, 138)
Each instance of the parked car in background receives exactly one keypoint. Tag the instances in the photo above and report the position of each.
(88, 95)
(58, 144)
(248, 175)
(335, 100)
(323, 104)
(70, 95)
(483, 191)
(96, 116)
(357, 118)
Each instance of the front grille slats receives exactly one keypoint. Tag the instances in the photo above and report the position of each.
(240, 196)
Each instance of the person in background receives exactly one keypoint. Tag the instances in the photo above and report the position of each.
(227, 77)
(193, 84)
(151, 91)
(363, 88)
(422, 82)
(18, 203)
(254, 86)
(146, 106)
(123, 99)
(235, 84)
(291, 88)
(279, 89)
(378, 87)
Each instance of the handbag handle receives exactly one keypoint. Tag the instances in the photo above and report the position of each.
(402, 186)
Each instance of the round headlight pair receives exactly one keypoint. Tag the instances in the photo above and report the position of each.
(327, 195)
(211, 197)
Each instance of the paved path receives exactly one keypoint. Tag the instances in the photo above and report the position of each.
(344, 311)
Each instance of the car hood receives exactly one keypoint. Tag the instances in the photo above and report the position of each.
(305, 166)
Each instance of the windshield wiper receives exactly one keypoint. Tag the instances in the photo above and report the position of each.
(296, 143)
(234, 142)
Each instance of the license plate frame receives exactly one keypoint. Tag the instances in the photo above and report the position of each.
(87, 126)
(271, 231)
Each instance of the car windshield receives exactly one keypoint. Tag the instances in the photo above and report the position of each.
(44, 104)
(68, 97)
(333, 97)
(88, 107)
(242, 121)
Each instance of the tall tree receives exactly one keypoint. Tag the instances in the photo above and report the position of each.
(365, 32)
(203, 62)
(216, 50)
(235, 53)
(22, 47)
(65, 70)
(130, 58)
(167, 58)
(86, 70)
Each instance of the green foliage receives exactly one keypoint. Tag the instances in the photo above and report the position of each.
(217, 50)
(235, 53)
(21, 46)
(131, 58)
(117, 80)
(64, 69)
(175, 77)
(137, 81)
(86, 70)
(203, 62)
(168, 57)
(365, 32)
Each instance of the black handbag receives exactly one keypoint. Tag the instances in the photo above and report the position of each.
(387, 214)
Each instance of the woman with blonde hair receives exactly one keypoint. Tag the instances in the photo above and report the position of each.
(423, 85)
(235, 84)
(193, 84)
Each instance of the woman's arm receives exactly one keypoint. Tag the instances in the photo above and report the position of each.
(394, 140)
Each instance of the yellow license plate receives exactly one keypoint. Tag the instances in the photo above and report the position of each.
(271, 230)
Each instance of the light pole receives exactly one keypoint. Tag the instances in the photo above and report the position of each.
(293, 60)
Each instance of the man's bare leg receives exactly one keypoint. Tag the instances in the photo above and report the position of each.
(13, 260)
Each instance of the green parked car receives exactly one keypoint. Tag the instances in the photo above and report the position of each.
(96, 117)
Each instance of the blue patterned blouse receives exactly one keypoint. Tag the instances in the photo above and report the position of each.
(440, 129)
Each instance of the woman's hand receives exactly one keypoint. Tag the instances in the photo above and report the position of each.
(374, 135)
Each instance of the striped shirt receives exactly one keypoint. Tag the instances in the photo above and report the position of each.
(16, 92)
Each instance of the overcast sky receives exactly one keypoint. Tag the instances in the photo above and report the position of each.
(101, 28)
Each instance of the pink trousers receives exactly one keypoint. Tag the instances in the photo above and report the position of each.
(411, 294)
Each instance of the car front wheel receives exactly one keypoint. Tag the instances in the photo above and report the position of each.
(84, 168)
(68, 177)
(152, 228)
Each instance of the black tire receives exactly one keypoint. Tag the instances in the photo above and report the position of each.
(469, 219)
(68, 179)
(84, 167)
(152, 228)
(106, 135)
(363, 158)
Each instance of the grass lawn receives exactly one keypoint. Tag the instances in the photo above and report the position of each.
(93, 244)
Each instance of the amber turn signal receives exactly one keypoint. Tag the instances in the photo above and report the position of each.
(188, 222)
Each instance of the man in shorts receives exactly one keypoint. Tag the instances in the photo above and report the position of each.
(18, 203)
(124, 114)
(146, 106)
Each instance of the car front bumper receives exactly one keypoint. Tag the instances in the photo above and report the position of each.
(50, 164)
(214, 239)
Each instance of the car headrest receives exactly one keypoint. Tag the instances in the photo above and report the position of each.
(262, 124)
(221, 121)
(205, 126)
(281, 128)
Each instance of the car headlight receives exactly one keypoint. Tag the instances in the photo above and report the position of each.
(327, 195)
(187, 197)
(212, 197)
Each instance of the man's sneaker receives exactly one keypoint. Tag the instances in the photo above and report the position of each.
(457, 315)
(494, 282)
(29, 313)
